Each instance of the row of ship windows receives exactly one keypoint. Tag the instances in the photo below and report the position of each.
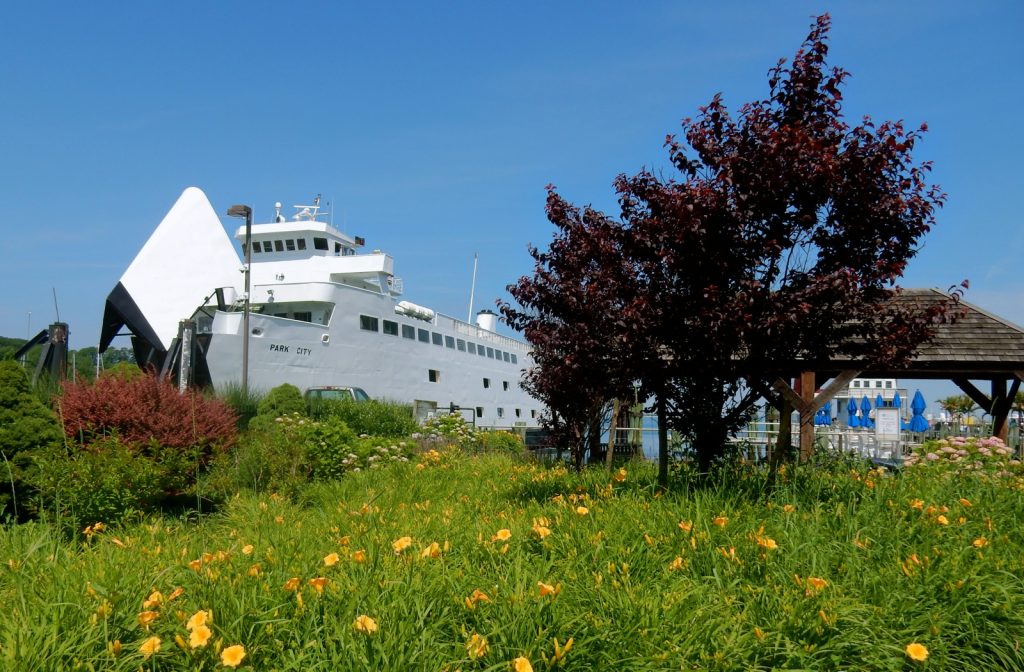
(391, 328)
(291, 245)
(878, 384)
(434, 376)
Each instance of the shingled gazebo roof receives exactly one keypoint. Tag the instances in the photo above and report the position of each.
(977, 345)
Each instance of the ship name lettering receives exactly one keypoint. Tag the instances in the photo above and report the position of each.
(278, 348)
(303, 351)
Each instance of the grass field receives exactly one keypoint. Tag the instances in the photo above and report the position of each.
(488, 563)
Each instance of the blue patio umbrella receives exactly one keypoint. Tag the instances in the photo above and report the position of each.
(851, 408)
(918, 423)
(824, 415)
(897, 401)
(865, 409)
(879, 401)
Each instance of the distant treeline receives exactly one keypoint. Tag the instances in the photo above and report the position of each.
(81, 363)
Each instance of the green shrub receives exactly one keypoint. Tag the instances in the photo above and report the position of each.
(270, 457)
(106, 483)
(372, 418)
(26, 425)
(502, 442)
(282, 400)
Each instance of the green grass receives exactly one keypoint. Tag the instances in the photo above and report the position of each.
(893, 573)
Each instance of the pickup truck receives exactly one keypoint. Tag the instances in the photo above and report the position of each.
(333, 392)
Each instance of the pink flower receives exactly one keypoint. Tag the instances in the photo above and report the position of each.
(932, 456)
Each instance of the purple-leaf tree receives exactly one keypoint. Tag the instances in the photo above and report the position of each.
(781, 240)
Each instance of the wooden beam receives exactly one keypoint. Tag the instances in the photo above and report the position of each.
(976, 395)
(794, 399)
(807, 415)
(1001, 407)
(836, 385)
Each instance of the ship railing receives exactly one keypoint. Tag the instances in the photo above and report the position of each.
(473, 331)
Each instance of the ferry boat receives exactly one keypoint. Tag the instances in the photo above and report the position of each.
(322, 312)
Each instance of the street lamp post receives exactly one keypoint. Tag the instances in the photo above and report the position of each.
(245, 211)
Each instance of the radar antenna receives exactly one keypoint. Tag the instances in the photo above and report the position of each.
(309, 212)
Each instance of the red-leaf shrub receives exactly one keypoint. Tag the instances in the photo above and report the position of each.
(145, 413)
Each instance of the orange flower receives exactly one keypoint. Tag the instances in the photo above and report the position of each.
(476, 596)
(816, 583)
(319, 583)
(199, 636)
(917, 652)
(685, 525)
(548, 589)
(721, 521)
(965, 502)
(364, 623)
(232, 656)
(788, 508)
(154, 600)
(477, 646)
(503, 534)
(431, 551)
(292, 584)
(560, 651)
(916, 504)
(175, 594)
(199, 619)
(254, 570)
(359, 556)
(619, 476)
(942, 520)
(331, 559)
(147, 617)
(401, 544)
(676, 564)
(980, 542)
(522, 664)
(582, 510)
(150, 646)
(247, 549)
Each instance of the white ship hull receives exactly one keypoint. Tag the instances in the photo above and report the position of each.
(320, 314)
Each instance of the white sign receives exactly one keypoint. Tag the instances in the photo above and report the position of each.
(887, 424)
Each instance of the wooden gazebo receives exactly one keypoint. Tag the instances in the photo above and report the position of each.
(977, 346)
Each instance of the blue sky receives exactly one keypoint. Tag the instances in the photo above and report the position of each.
(434, 127)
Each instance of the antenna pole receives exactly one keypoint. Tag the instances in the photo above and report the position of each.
(472, 290)
(55, 308)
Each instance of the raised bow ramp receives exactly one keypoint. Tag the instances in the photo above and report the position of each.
(187, 257)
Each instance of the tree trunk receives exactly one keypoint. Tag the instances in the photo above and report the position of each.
(784, 443)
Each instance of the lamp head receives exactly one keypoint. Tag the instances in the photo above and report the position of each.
(239, 211)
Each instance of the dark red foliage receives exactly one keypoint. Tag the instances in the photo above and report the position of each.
(144, 411)
(781, 241)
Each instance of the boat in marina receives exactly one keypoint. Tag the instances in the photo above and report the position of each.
(322, 312)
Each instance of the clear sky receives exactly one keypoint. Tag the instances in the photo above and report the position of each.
(433, 127)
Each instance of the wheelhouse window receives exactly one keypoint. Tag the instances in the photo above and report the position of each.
(472, 348)
(301, 242)
(506, 356)
(490, 353)
(290, 244)
(337, 248)
(497, 353)
(514, 359)
(390, 328)
(460, 345)
(449, 342)
(256, 247)
(436, 338)
(304, 316)
(279, 245)
(423, 335)
(481, 350)
(408, 332)
(320, 244)
(369, 323)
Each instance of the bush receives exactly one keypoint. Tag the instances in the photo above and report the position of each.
(448, 430)
(373, 417)
(106, 483)
(282, 400)
(502, 442)
(26, 425)
(148, 415)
